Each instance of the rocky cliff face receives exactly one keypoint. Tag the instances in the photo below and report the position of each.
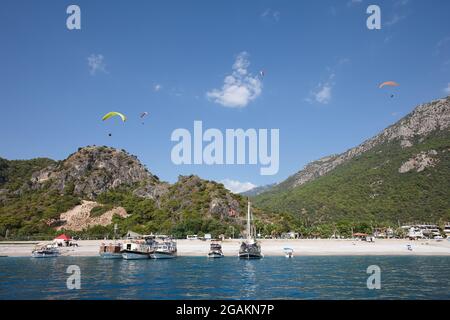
(192, 191)
(93, 170)
(425, 119)
(62, 194)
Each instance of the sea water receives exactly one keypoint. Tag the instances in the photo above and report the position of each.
(312, 277)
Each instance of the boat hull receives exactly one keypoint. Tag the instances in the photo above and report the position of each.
(215, 255)
(162, 255)
(44, 255)
(250, 256)
(250, 250)
(110, 255)
(127, 255)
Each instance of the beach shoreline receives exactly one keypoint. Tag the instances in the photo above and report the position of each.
(270, 247)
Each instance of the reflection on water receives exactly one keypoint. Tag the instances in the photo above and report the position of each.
(249, 275)
(226, 278)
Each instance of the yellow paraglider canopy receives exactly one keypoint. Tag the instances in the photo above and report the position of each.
(114, 114)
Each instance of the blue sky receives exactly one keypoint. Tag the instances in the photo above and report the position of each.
(322, 68)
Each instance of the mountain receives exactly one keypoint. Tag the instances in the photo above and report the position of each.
(258, 190)
(94, 170)
(401, 174)
(97, 187)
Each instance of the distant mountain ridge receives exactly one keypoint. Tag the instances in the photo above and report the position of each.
(258, 190)
(425, 119)
(411, 154)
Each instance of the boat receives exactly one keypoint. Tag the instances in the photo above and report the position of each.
(137, 249)
(250, 248)
(166, 248)
(288, 252)
(111, 251)
(45, 251)
(215, 250)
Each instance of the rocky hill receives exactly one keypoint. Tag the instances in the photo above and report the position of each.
(424, 120)
(94, 170)
(400, 174)
(98, 186)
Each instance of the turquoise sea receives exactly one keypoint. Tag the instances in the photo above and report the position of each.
(330, 277)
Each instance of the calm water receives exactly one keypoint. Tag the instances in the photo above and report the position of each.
(227, 278)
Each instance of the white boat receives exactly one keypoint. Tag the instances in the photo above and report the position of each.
(136, 250)
(215, 250)
(167, 249)
(288, 252)
(250, 248)
(45, 251)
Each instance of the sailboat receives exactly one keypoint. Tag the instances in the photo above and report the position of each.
(250, 248)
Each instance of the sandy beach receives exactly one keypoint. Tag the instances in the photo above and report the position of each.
(269, 247)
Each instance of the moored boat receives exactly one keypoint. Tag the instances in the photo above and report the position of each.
(288, 252)
(136, 250)
(45, 251)
(164, 249)
(250, 248)
(215, 250)
(111, 251)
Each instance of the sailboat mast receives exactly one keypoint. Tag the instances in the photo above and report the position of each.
(249, 234)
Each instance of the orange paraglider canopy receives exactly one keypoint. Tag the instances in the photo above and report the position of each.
(389, 83)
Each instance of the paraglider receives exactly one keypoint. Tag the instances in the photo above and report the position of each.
(262, 73)
(114, 114)
(389, 84)
(143, 115)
